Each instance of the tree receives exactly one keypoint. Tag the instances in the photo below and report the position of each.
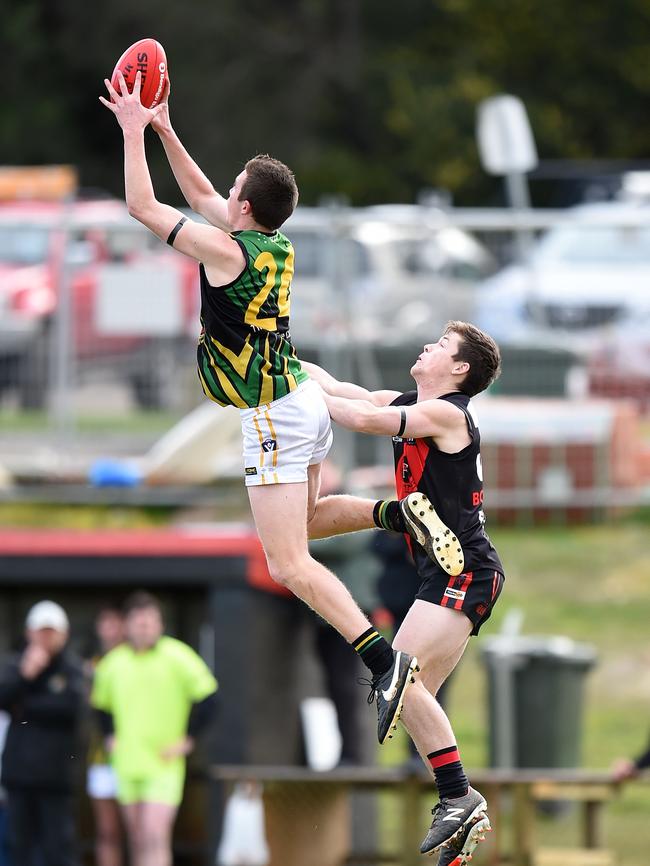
(362, 98)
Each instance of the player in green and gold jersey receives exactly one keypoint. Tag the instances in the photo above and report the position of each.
(246, 359)
(245, 354)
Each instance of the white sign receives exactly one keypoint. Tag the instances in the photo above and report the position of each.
(139, 300)
(505, 139)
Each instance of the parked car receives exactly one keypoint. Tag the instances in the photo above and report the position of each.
(380, 274)
(35, 256)
(585, 280)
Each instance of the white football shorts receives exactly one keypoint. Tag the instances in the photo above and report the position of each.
(283, 438)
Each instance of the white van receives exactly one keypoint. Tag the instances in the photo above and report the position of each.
(586, 280)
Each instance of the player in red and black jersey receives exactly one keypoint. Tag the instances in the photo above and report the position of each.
(447, 539)
(440, 507)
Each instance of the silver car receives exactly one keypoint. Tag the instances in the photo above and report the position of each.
(585, 281)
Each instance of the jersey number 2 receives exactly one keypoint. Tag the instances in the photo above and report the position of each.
(266, 261)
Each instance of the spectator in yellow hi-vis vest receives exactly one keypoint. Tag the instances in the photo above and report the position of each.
(153, 695)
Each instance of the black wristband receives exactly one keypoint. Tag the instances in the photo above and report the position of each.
(175, 231)
(402, 426)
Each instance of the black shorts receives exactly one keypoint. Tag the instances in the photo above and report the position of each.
(473, 592)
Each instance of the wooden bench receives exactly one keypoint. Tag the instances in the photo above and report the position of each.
(308, 811)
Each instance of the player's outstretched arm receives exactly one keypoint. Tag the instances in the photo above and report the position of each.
(346, 389)
(197, 189)
(431, 418)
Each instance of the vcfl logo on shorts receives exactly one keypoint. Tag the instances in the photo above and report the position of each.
(454, 593)
(269, 445)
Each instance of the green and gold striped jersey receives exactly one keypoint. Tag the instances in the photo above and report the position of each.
(245, 355)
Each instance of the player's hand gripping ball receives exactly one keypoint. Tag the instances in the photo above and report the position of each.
(148, 58)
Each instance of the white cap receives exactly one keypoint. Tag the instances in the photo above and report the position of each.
(47, 614)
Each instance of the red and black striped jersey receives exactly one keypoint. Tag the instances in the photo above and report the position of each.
(454, 485)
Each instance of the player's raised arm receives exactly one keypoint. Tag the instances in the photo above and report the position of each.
(346, 389)
(197, 189)
(206, 244)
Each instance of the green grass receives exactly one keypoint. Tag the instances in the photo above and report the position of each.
(593, 585)
(154, 422)
(23, 515)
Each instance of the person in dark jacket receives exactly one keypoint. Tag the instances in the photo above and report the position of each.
(397, 586)
(42, 689)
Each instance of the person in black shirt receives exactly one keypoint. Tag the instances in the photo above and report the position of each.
(43, 691)
(439, 482)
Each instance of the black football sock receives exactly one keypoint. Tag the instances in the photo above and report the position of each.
(451, 780)
(375, 651)
(387, 515)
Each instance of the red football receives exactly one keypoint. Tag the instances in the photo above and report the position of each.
(148, 57)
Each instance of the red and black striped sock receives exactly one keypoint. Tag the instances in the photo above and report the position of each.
(448, 770)
(375, 651)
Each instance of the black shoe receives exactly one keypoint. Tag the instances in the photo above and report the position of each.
(389, 689)
(451, 817)
(459, 852)
(423, 524)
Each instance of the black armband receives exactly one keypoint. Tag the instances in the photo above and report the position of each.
(402, 426)
(105, 722)
(175, 231)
